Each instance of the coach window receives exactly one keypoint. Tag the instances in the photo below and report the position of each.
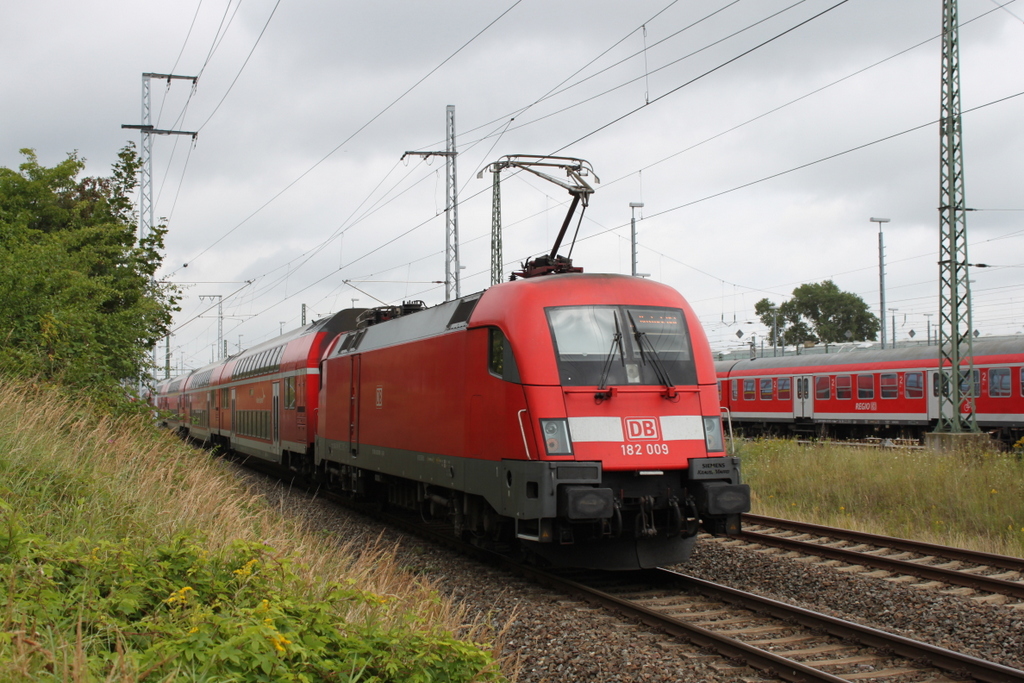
(766, 389)
(748, 390)
(865, 387)
(289, 393)
(500, 360)
(999, 382)
(785, 388)
(914, 385)
(735, 388)
(844, 387)
(889, 385)
(822, 391)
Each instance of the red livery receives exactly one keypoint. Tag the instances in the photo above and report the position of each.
(576, 413)
(889, 393)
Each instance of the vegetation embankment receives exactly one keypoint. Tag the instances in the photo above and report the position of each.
(971, 500)
(126, 555)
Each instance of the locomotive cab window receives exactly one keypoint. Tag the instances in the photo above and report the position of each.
(616, 345)
(500, 360)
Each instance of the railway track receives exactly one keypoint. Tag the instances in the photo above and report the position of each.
(952, 570)
(784, 641)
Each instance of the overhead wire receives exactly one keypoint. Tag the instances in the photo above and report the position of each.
(356, 132)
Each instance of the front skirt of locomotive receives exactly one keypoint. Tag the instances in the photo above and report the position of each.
(631, 520)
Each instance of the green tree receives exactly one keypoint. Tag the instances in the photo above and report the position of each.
(819, 312)
(78, 302)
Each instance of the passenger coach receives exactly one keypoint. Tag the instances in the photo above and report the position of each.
(893, 392)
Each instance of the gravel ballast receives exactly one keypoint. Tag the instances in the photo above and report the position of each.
(560, 639)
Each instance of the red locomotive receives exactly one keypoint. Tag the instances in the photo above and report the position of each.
(886, 393)
(574, 412)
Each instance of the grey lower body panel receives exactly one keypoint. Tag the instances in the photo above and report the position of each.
(521, 489)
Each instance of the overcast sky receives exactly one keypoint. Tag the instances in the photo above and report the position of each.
(761, 136)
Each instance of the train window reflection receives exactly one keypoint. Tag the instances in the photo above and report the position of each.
(889, 385)
(821, 389)
(914, 385)
(999, 382)
(636, 340)
(748, 390)
(844, 387)
(785, 389)
(766, 389)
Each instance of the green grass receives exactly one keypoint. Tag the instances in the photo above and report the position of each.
(126, 555)
(971, 500)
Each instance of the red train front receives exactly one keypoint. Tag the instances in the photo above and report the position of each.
(577, 413)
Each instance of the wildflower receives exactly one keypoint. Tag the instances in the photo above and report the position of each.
(279, 641)
(246, 570)
(179, 596)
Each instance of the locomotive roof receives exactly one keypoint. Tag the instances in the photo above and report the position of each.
(987, 347)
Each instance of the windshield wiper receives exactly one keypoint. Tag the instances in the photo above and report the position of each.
(641, 340)
(616, 342)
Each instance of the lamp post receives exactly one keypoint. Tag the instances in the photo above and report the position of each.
(775, 330)
(881, 275)
(633, 206)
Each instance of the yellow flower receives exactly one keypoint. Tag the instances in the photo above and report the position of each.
(246, 570)
(179, 596)
(279, 642)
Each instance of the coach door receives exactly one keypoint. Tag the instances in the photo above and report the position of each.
(803, 401)
(275, 416)
(353, 409)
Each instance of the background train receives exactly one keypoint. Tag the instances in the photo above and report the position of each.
(886, 393)
(575, 413)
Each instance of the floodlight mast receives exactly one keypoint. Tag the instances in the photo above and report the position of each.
(576, 170)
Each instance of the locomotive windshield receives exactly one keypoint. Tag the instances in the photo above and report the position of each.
(616, 345)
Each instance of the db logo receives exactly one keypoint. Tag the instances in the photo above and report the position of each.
(642, 428)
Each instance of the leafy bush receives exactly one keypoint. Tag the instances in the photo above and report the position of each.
(178, 612)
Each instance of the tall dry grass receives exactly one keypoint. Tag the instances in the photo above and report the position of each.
(972, 500)
(70, 473)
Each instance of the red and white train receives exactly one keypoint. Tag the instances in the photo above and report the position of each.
(887, 393)
(577, 413)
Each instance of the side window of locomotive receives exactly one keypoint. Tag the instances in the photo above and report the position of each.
(500, 360)
(822, 390)
(785, 389)
(889, 385)
(748, 390)
(865, 387)
(999, 382)
(914, 385)
(766, 389)
(844, 387)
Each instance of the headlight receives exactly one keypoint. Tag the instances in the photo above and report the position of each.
(713, 434)
(556, 436)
